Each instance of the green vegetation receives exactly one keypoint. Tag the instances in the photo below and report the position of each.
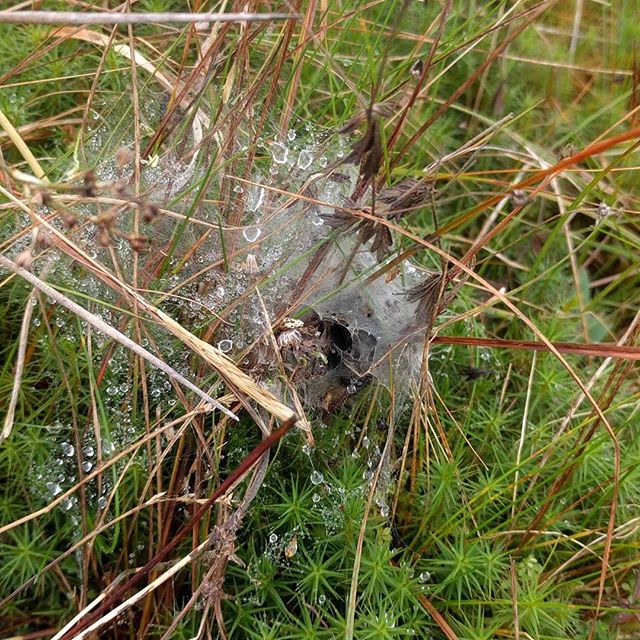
(496, 502)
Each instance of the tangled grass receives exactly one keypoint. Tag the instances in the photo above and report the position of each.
(398, 241)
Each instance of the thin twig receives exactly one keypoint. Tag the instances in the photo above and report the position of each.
(79, 18)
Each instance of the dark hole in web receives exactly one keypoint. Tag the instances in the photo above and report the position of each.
(339, 335)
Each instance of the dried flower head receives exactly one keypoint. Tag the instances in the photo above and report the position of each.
(289, 339)
(137, 242)
(149, 211)
(120, 189)
(24, 259)
(344, 219)
(42, 239)
(69, 219)
(104, 237)
(89, 183)
(42, 197)
(427, 296)
(123, 157)
(405, 196)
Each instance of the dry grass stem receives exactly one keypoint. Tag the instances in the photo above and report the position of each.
(80, 18)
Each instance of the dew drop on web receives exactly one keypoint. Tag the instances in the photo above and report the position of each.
(225, 346)
(304, 160)
(251, 234)
(279, 153)
(67, 449)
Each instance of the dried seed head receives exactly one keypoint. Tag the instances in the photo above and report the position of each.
(105, 218)
(251, 265)
(24, 259)
(69, 219)
(123, 157)
(104, 238)
(149, 211)
(426, 294)
(120, 188)
(405, 196)
(42, 240)
(88, 188)
(138, 243)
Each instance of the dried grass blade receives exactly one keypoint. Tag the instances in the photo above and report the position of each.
(80, 18)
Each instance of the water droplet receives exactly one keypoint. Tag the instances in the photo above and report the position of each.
(67, 504)
(273, 538)
(425, 576)
(322, 599)
(365, 442)
(304, 159)
(316, 478)
(107, 447)
(279, 152)
(258, 200)
(67, 449)
(251, 234)
(316, 498)
(351, 388)
(225, 345)
(112, 390)
(306, 449)
(238, 189)
(384, 510)
(291, 136)
(87, 466)
(87, 451)
(54, 488)
(323, 162)
(102, 502)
